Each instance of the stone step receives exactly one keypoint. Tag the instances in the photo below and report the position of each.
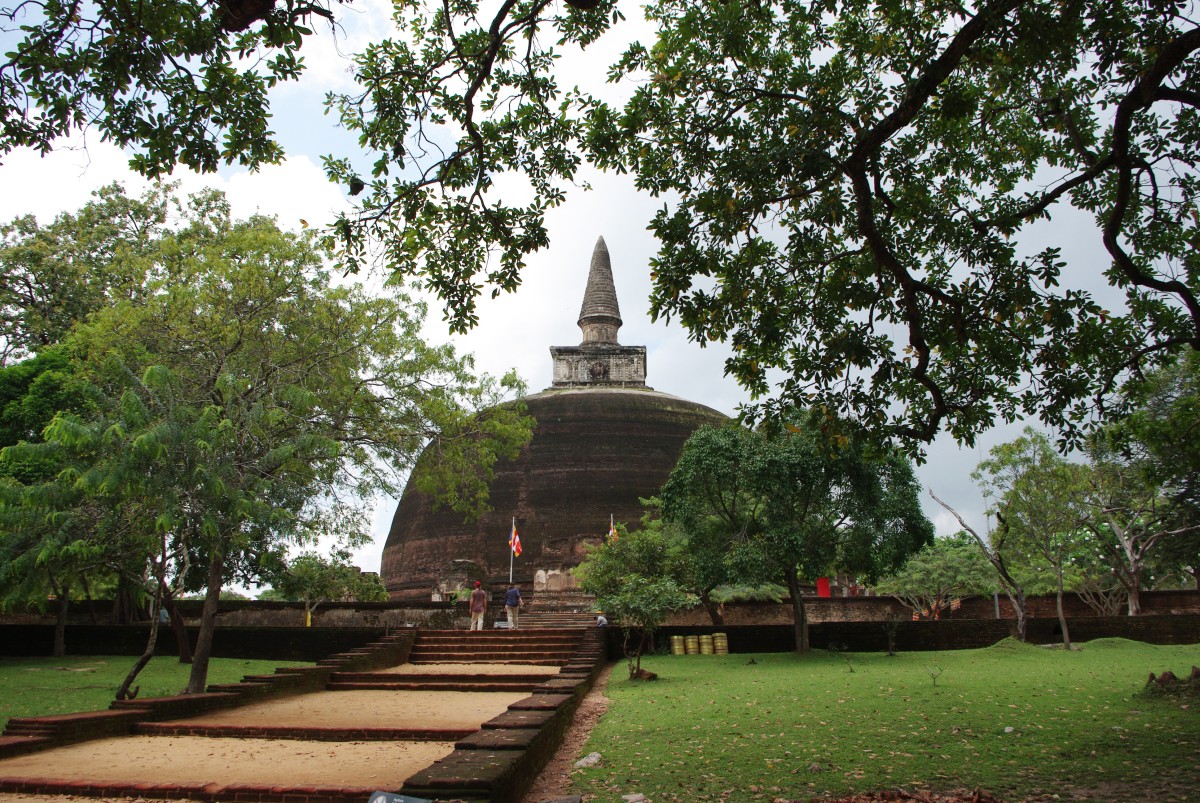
(488, 652)
(469, 658)
(448, 685)
(518, 639)
(440, 677)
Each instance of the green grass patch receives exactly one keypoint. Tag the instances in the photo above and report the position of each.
(32, 687)
(1018, 720)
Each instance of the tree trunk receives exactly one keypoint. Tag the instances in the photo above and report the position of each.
(1062, 619)
(1135, 597)
(799, 612)
(1016, 596)
(714, 610)
(208, 623)
(60, 622)
(178, 626)
(123, 693)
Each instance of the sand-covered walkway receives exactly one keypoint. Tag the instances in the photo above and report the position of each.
(280, 762)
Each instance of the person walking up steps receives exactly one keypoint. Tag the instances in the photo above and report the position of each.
(512, 605)
(478, 606)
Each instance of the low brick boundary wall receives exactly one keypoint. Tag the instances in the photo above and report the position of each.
(267, 643)
(947, 634)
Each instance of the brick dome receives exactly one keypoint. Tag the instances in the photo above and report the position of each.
(594, 452)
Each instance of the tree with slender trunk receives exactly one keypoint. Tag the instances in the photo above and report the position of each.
(1129, 517)
(796, 507)
(1039, 495)
(994, 550)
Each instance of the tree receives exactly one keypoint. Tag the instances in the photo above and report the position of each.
(313, 579)
(697, 558)
(1040, 496)
(848, 180)
(794, 507)
(631, 579)
(1129, 516)
(181, 81)
(249, 403)
(1160, 437)
(54, 276)
(46, 524)
(943, 570)
(996, 548)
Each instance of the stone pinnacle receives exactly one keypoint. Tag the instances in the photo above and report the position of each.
(600, 317)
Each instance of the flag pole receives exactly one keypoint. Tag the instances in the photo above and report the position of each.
(510, 551)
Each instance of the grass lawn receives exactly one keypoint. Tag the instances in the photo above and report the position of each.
(42, 686)
(1020, 721)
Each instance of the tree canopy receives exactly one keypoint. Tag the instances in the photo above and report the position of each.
(795, 507)
(313, 578)
(633, 580)
(244, 401)
(846, 182)
(930, 580)
(1040, 496)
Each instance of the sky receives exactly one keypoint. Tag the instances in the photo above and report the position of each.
(515, 330)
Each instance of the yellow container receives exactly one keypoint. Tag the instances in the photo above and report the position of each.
(706, 645)
(720, 644)
(692, 645)
(677, 645)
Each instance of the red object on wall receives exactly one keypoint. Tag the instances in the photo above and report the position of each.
(823, 587)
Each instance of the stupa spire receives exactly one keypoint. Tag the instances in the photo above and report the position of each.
(600, 317)
(599, 361)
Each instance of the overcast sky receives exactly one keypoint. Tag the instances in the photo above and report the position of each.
(515, 331)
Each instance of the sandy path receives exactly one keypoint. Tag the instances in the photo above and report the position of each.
(384, 765)
(371, 709)
(197, 759)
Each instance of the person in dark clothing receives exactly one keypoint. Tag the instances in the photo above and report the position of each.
(512, 605)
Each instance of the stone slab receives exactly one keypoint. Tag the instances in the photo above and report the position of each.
(467, 770)
(541, 702)
(499, 739)
(521, 719)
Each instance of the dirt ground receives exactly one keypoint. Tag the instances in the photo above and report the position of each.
(197, 759)
(369, 709)
(202, 760)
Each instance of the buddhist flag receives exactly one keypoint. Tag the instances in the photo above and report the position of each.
(514, 541)
(612, 530)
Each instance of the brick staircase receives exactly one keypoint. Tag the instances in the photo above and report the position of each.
(495, 762)
(557, 619)
(559, 609)
(435, 681)
(541, 647)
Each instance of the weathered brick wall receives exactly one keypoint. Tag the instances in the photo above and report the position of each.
(947, 634)
(278, 643)
(261, 613)
(876, 609)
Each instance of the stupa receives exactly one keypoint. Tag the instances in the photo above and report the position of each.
(603, 438)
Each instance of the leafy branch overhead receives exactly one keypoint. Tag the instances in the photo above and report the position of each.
(870, 201)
